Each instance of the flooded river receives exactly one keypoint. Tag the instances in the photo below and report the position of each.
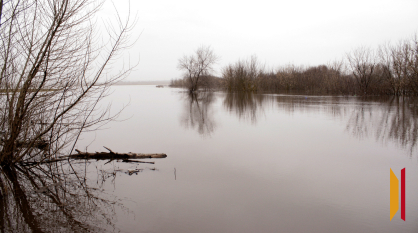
(245, 163)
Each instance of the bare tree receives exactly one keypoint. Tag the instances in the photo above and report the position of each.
(410, 54)
(363, 63)
(197, 66)
(54, 71)
(388, 68)
(243, 75)
(335, 78)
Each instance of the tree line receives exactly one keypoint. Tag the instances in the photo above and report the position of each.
(390, 69)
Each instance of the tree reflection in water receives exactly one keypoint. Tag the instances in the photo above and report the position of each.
(52, 198)
(198, 112)
(388, 119)
(246, 106)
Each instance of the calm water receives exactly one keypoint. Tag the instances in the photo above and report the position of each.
(255, 163)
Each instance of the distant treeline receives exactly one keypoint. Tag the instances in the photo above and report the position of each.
(387, 70)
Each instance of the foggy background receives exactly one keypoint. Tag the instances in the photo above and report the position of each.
(299, 32)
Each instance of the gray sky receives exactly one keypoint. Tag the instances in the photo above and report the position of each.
(301, 32)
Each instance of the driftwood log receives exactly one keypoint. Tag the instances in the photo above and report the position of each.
(125, 157)
(114, 155)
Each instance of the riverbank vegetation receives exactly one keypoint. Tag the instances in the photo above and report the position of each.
(390, 69)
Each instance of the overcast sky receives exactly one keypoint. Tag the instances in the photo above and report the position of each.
(301, 32)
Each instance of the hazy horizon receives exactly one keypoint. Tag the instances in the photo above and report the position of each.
(278, 33)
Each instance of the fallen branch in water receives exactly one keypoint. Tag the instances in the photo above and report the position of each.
(114, 155)
(125, 157)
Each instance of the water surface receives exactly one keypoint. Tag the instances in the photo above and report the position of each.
(257, 163)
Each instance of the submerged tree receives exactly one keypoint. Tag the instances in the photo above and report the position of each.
(243, 75)
(198, 66)
(53, 74)
(363, 65)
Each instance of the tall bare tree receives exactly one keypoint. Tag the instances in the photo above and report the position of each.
(53, 74)
(411, 56)
(394, 60)
(198, 65)
(363, 64)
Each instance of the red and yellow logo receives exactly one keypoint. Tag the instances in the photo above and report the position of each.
(394, 194)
